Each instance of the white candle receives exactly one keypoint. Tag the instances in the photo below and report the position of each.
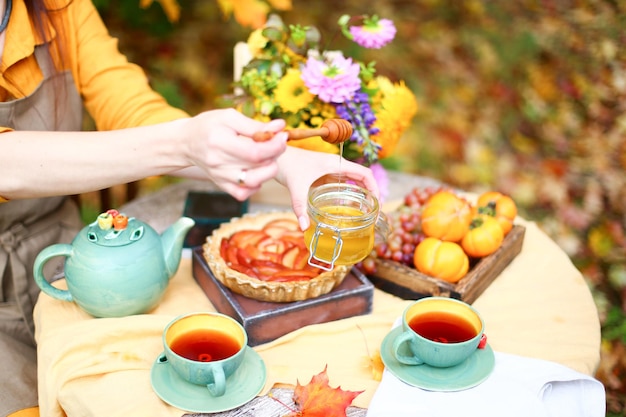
(242, 56)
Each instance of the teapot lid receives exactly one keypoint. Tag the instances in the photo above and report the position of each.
(113, 228)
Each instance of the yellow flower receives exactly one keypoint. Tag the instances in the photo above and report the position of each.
(394, 112)
(291, 94)
(256, 42)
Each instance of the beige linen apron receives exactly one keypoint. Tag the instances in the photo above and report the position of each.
(26, 227)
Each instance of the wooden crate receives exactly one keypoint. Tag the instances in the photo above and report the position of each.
(408, 283)
(265, 321)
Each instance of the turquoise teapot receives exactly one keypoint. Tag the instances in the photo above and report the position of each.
(117, 265)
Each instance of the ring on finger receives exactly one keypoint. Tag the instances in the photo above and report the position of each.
(241, 179)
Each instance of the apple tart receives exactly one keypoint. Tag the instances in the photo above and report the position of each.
(263, 256)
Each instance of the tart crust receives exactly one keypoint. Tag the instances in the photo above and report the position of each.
(279, 292)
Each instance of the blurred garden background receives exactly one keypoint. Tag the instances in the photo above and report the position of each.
(527, 97)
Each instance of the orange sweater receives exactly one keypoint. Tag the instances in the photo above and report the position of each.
(115, 92)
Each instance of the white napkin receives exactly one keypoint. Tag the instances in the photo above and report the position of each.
(518, 386)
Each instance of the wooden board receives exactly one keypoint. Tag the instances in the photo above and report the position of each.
(265, 321)
(408, 283)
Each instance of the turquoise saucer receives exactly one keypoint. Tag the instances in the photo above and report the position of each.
(245, 384)
(467, 374)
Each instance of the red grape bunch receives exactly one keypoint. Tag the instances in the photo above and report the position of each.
(406, 231)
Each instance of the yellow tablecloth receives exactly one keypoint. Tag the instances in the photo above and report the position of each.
(538, 307)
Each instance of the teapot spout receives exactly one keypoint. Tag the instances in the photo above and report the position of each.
(172, 242)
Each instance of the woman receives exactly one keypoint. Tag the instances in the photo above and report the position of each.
(56, 59)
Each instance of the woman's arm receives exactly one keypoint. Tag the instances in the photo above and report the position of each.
(216, 144)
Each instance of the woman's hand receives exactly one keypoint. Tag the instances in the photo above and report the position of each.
(299, 168)
(220, 145)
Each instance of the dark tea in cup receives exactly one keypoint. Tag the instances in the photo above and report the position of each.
(205, 349)
(443, 327)
(205, 345)
(439, 332)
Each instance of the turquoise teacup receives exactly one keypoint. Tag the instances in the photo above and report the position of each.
(204, 349)
(439, 332)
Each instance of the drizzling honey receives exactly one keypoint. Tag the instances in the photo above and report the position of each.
(340, 158)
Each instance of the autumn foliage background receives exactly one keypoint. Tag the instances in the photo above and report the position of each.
(527, 97)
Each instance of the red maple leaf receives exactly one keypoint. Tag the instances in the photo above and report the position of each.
(318, 399)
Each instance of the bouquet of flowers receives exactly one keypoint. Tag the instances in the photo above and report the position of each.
(286, 75)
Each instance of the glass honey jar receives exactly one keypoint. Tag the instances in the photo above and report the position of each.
(345, 222)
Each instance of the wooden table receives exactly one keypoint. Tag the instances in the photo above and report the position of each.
(538, 307)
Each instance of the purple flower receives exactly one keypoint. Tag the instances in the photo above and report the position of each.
(375, 33)
(333, 82)
(360, 114)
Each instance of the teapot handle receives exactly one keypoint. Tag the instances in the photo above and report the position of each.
(59, 249)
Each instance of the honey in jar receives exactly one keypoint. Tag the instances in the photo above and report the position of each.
(345, 219)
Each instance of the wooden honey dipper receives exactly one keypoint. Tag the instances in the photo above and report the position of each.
(332, 131)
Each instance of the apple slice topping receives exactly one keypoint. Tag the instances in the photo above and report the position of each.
(277, 252)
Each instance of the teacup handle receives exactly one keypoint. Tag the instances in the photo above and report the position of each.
(404, 337)
(59, 249)
(218, 387)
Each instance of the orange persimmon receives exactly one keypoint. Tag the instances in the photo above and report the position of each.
(484, 237)
(441, 259)
(446, 216)
(500, 206)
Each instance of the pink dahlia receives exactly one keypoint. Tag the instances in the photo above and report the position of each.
(375, 33)
(333, 82)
